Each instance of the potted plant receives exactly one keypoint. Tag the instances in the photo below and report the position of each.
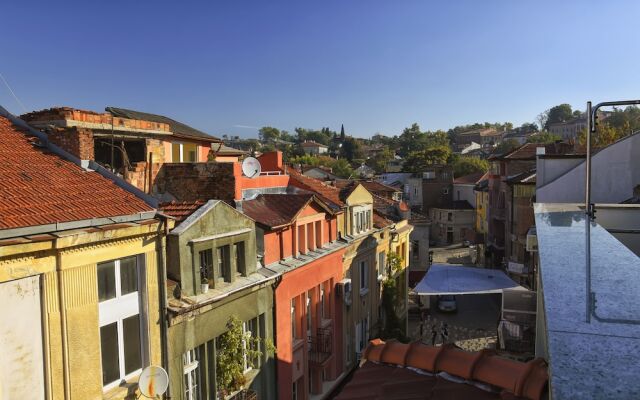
(204, 280)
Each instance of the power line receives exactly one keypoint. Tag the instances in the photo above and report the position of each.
(13, 94)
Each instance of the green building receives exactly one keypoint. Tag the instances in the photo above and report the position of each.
(214, 245)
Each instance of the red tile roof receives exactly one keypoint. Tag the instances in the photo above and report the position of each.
(275, 210)
(180, 210)
(380, 378)
(38, 187)
(377, 187)
(325, 192)
(470, 179)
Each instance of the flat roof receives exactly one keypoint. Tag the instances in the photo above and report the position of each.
(596, 359)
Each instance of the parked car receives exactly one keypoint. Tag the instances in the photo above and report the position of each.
(447, 303)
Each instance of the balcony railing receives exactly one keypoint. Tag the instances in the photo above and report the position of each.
(320, 346)
(245, 394)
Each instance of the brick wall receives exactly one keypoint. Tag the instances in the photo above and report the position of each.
(72, 114)
(76, 141)
(195, 181)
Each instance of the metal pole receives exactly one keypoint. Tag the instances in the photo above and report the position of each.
(588, 216)
(587, 200)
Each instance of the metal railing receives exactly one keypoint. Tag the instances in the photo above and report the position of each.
(320, 346)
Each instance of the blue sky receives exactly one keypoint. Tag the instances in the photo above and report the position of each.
(376, 66)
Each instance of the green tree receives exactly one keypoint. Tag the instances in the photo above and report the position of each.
(379, 161)
(410, 140)
(351, 149)
(418, 161)
(559, 113)
(392, 327)
(469, 165)
(605, 135)
(506, 146)
(232, 347)
(544, 138)
(268, 134)
(342, 168)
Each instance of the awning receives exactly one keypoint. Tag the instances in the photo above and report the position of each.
(452, 279)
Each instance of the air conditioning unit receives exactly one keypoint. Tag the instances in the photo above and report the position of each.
(343, 290)
(532, 241)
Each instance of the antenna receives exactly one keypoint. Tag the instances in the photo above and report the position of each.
(153, 382)
(251, 167)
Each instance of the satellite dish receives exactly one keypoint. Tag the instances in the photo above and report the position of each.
(251, 167)
(153, 382)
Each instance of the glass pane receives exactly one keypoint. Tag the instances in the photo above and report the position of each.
(132, 356)
(240, 265)
(109, 349)
(206, 264)
(175, 152)
(128, 276)
(106, 281)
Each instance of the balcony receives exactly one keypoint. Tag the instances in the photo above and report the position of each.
(320, 347)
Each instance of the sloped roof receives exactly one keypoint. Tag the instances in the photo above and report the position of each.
(470, 179)
(380, 221)
(311, 143)
(178, 128)
(326, 193)
(375, 186)
(276, 210)
(528, 177)
(394, 370)
(38, 187)
(229, 151)
(180, 210)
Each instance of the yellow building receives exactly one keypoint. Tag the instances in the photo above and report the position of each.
(80, 262)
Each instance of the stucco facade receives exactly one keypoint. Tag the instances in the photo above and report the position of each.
(220, 242)
(66, 265)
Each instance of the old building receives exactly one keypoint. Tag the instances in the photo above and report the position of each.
(463, 187)
(214, 245)
(311, 147)
(481, 191)
(520, 219)
(81, 266)
(452, 223)
(298, 236)
(484, 137)
(437, 187)
(132, 144)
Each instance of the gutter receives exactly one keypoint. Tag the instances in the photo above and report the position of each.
(162, 283)
(84, 223)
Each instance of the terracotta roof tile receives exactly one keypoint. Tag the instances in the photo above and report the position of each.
(325, 192)
(275, 210)
(377, 187)
(470, 179)
(39, 187)
(380, 378)
(180, 210)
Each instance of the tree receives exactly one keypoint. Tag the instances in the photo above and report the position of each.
(342, 168)
(605, 135)
(410, 140)
(351, 149)
(544, 138)
(379, 161)
(418, 161)
(392, 327)
(268, 134)
(559, 113)
(231, 350)
(506, 146)
(469, 165)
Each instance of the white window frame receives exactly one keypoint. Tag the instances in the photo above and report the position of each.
(118, 309)
(182, 155)
(247, 367)
(361, 218)
(189, 369)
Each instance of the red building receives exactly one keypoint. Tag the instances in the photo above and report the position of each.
(297, 233)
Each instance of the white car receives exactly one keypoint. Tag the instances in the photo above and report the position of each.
(447, 303)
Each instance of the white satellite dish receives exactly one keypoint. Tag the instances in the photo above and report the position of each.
(153, 382)
(251, 167)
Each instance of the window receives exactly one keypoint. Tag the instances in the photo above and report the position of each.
(295, 390)
(449, 216)
(241, 267)
(293, 319)
(308, 312)
(364, 277)
(222, 264)
(361, 216)
(119, 317)
(184, 152)
(190, 364)
(206, 263)
(322, 312)
(250, 329)
(381, 263)
(415, 249)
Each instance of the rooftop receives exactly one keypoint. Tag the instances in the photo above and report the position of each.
(470, 179)
(598, 358)
(393, 370)
(180, 210)
(311, 143)
(327, 193)
(39, 187)
(178, 128)
(277, 210)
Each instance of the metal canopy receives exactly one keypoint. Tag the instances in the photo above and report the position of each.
(452, 279)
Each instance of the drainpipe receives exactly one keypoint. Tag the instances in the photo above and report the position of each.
(162, 281)
(45, 338)
(274, 286)
(63, 320)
